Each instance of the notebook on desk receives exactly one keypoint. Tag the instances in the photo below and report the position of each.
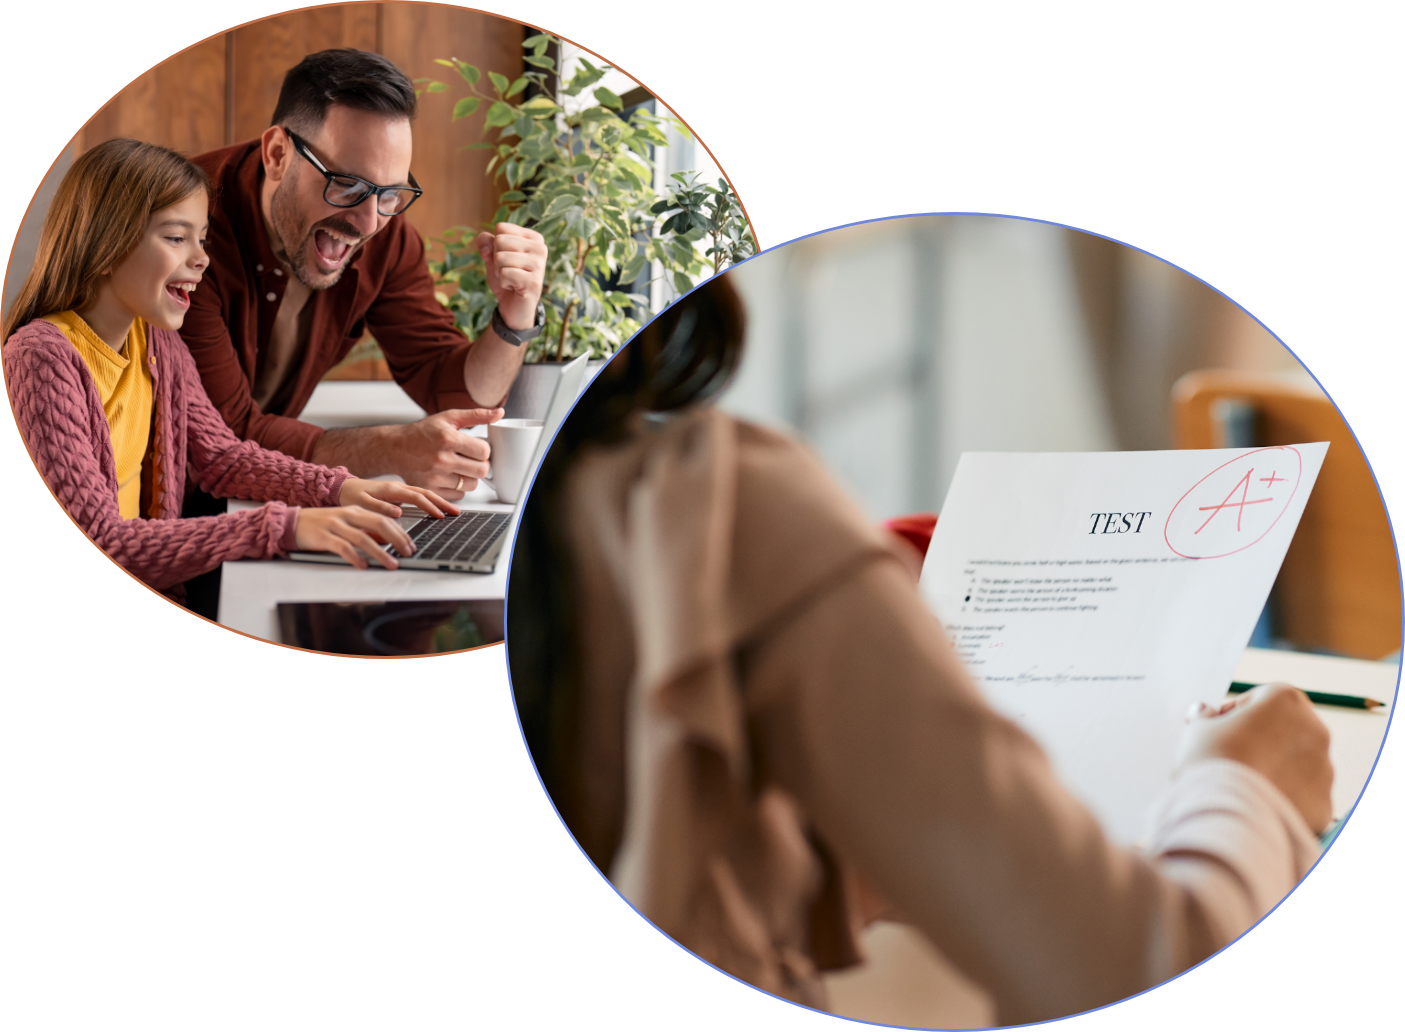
(472, 541)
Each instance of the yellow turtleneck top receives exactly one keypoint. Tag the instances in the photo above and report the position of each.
(124, 385)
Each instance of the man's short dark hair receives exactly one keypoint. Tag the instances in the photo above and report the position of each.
(356, 78)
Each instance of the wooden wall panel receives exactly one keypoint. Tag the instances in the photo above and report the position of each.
(182, 103)
(265, 50)
(179, 104)
(224, 90)
(456, 189)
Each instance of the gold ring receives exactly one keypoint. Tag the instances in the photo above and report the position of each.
(459, 485)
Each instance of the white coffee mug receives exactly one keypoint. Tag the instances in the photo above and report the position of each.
(511, 445)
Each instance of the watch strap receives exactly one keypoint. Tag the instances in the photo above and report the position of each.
(518, 337)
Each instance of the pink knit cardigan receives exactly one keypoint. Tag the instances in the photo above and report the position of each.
(60, 416)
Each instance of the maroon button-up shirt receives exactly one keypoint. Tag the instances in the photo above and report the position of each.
(386, 288)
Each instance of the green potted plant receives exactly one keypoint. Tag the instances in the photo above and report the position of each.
(581, 173)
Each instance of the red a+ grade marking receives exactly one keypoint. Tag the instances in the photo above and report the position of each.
(1272, 479)
(1227, 504)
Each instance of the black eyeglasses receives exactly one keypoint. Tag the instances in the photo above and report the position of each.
(347, 191)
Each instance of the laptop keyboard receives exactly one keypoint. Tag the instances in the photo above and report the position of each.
(463, 538)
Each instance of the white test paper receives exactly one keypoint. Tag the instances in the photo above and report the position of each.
(1096, 596)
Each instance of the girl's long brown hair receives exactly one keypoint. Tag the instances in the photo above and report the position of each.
(97, 217)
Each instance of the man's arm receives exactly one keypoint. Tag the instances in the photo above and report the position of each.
(432, 453)
(439, 369)
(491, 366)
(515, 259)
(427, 353)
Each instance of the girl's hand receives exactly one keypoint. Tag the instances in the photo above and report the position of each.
(1273, 729)
(386, 497)
(345, 529)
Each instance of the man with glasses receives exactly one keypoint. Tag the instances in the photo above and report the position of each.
(309, 250)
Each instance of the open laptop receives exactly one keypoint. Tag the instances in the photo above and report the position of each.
(472, 541)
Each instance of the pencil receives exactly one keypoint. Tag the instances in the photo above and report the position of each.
(1321, 698)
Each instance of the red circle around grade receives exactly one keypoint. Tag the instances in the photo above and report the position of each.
(1166, 531)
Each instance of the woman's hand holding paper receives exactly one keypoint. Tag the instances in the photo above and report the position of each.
(1272, 729)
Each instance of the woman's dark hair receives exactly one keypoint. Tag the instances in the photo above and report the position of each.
(355, 78)
(681, 358)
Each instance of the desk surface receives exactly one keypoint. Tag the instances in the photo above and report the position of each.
(251, 589)
(346, 403)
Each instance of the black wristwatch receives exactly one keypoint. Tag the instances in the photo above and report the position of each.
(518, 337)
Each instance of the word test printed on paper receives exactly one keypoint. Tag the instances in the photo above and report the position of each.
(1096, 596)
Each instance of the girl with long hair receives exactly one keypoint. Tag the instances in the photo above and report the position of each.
(752, 725)
(112, 408)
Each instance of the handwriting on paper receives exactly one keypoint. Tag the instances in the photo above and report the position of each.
(1235, 505)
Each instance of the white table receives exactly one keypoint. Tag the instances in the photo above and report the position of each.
(250, 590)
(904, 981)
(344, 403)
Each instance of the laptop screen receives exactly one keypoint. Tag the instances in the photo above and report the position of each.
(568, 388)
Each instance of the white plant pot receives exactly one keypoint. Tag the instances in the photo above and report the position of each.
(536, 382)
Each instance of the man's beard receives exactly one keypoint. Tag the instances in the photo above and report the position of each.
(300, 240)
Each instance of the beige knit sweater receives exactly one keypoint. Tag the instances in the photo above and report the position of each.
(768, 710)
